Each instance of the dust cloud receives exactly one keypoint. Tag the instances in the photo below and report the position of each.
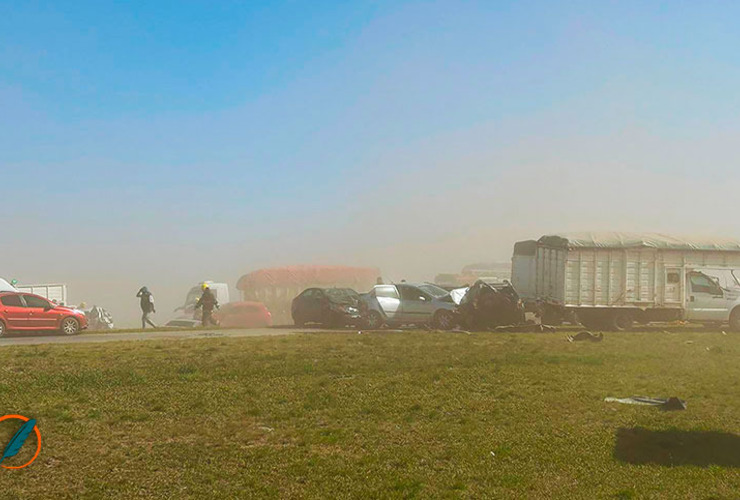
(431, 208)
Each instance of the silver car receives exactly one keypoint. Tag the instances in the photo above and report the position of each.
(405, 303)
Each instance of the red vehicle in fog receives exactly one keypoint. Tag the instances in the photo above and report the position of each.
(243, 315)
(26, 311)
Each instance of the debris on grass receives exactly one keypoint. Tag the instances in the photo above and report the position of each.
(524, 328)
(672, 403)
(586, 336)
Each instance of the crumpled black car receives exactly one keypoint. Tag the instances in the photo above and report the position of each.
(488, 305)
(332, 307)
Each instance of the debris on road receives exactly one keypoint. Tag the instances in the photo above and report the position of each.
(98, 318)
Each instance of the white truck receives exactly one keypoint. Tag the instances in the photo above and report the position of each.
(611, 280)
(5, 286)
(55, 292)
(187, 315)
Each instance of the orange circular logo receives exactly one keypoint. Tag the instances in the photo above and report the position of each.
(38, 443)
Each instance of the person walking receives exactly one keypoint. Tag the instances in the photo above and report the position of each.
(208, 302)
(147, 306)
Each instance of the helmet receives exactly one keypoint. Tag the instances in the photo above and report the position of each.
(205, 286)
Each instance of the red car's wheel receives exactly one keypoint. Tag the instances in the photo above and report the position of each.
(70, 326)
(3, 330)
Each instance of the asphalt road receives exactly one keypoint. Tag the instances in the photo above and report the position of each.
(84, 338)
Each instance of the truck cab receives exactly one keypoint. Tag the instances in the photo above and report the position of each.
(713, 296)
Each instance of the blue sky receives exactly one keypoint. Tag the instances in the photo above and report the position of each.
(162, 141)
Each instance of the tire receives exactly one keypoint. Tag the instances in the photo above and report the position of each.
(373, 321)
(590, 320)
(621, 321)
(3, 329)
(735, 320)
(70, 326)
(444, 320)
(298, 321)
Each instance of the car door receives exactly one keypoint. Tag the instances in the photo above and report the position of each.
(388, 300)
(41, 313)
(15, 312)
(313, 306)
(706, 298)
(416, 305)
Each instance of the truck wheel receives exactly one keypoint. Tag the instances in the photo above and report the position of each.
(735, 320)
(590, 320)
(373, 321)
(70, 326)
(3, 330)
(444, 320)
(622, 321)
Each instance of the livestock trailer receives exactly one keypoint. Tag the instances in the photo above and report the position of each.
(610, 280)
(56, 292)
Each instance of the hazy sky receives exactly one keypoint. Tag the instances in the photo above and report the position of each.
(162, 143)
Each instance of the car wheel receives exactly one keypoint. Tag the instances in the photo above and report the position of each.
(735, 320)
(444, 320)
(70, 326)
(373, 320)
(3, 330)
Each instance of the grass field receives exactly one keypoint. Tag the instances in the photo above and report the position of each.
(381, 415)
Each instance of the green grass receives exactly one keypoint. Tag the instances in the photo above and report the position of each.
(382, 415)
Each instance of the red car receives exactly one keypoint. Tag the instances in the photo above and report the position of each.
(243, 315)
(26, 311)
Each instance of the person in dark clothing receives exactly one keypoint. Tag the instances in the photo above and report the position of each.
(208, 302)
(147, 306)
